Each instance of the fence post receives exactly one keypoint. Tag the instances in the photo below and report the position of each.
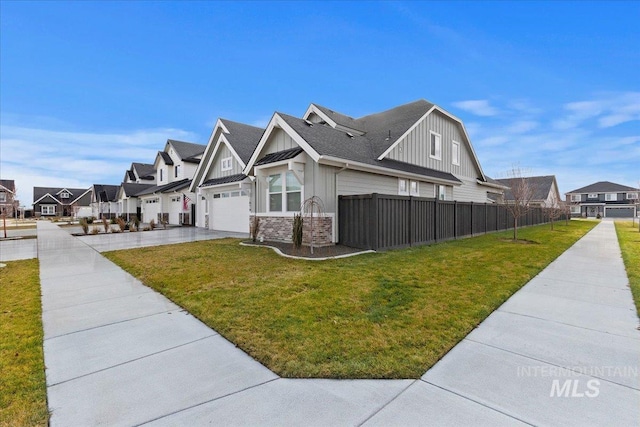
(373, 228)
(455, 219)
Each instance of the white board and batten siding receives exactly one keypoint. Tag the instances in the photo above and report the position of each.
(414, 148)
(279, 140)
(216, 170)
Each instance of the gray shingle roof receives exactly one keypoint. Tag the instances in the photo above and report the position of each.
(187, 151)
(9, 184)
(132, 188)
(331, 142)
(224, 180)
(341, 119)
(279, 156)
(38, 192)
(541, 186)
(106, 193)
(603, 187)
(166, 188)
(166, 158)
(243, 138)
(144, 170)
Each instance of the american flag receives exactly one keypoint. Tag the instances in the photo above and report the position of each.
(185, 202)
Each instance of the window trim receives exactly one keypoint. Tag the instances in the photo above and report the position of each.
(438, 147)
(176, 171)
(284, 193)
(576, 198)
(455, 160)
(575, 209)
(436, 192)
(632, 196)
(402, 192)
(592, 196)
(608, 199)
(417, 185)
(64, 195)
(3, 197)
(226, 164)
(45, 209)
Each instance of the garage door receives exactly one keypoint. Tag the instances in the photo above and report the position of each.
(230, 212)
(618, 212)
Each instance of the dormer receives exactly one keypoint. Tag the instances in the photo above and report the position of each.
(64, 194)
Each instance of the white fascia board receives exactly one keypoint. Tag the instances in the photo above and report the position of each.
(231, 185)
(48, 194)
(288, 162)
(451, 116)
(492, 185)
(2, 187)
(334, 161)
(315, 110)
(277, 122)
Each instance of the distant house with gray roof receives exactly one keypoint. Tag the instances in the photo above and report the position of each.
(604, 199)
(104, 201)
(545, 193)
(8, 203)
(57, 201)
(169, 199)
(416, 149)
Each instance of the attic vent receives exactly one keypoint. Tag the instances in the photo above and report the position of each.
(308, 122)
(350, 135)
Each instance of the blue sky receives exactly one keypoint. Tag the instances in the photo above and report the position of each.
(86, 88)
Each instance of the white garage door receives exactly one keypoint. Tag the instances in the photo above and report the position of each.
(230, 212)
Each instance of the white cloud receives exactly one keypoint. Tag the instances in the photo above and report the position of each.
(607, 110)
(34, 156)
(479, 107)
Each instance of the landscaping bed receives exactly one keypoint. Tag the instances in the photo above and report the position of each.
(23, 392)
(378, 315)
(305, 251)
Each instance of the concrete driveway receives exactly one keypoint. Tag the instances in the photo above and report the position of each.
(118, 353)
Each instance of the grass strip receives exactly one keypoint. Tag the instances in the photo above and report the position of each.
(384, 315)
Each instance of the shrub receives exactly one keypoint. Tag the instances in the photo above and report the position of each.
(147, 228)
(85, 225)
(105, 224)
(297, 230)
(136, 221)
(152, 225)
(90, 220)
(113, 220)
(132, 228)
(95, 230)
(164, 223)
(121, 224)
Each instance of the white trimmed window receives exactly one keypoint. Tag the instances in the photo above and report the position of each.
(435, 146)
(226, 164)
(161, 175)
(64, 195)
(176, 171)
(403, 189)
(592, 196)
(48, 209)
(284, 193)
(611, 197)
(455, 153)
(414, 188)
(632, 196)
(575, 209)
(440, 192)
(3, 196)
(575, 197)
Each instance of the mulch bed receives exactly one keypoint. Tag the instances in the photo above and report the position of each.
(305, 251)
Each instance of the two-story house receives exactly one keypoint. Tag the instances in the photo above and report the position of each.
(416, 149)
(8, 202)
(104, 201)
(604, 199)
(170, 199)
(139, 177)
(56, 202)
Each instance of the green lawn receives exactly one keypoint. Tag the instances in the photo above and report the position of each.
(629, 239)
(23, 392)
(383, 315)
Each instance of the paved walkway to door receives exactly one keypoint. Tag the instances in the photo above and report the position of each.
(118, 353)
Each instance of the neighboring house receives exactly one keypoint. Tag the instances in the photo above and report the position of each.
(605, 199)
(416, 149)
(144, 173)
(544, 190)
(56, 202)
(222, 189)
(129, 204)
(170, 199)
(8, 203)
(104, 201)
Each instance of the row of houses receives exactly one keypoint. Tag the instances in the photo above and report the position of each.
(246, 174)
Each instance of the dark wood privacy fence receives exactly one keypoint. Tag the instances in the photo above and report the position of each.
(380, 221)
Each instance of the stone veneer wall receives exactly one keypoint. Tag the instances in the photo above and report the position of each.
(281, 228)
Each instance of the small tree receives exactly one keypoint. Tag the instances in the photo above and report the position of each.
(85, 225)
(554, 212)
(313, 205)
(105, 224)
(518, 197)
(296, 236)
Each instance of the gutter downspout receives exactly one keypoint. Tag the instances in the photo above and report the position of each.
(335, 191)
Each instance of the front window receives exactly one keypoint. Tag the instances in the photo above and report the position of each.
(632, 196)
(284, 191)
(575, 209)
(440, 192)
(64, 195)
(592, 196)
(177, 171)
(455, 153)
(575, 197)
(161, 175)
(48, 209)
(435, 146)
(3, 197)
(414, 190)
(611, 197)
(226, 164)
(402, 187)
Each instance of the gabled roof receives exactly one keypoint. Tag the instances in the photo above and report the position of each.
(541, 186)
(224, 180)
(243, 138)
(39, 192)
(603, 187)
(166, 158)
(166, 188)
(144, 171)
(8, 184)
(187, 151)
(105, 193)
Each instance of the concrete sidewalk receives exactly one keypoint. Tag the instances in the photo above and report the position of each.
(117, 353)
